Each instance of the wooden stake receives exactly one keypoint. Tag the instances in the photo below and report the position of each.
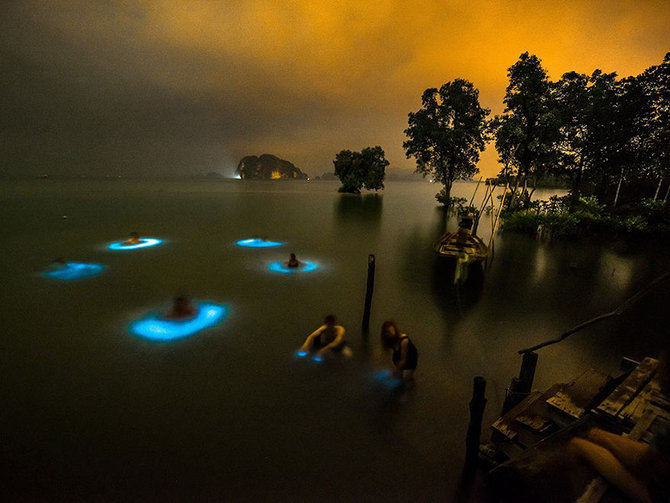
(368, 292)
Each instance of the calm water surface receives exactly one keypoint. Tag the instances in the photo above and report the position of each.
(92, 413)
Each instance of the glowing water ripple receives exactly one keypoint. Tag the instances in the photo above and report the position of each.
(75, 270)
(258, 243)
(144, 243)
(281, 267)
(157, 328)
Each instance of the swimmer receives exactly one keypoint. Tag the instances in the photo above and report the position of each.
(293, 262)
(405, 354)
(328, 337)
(134, 239)
(181, 309)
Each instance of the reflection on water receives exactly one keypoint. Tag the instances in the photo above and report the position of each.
(92, 409)
(359, 209)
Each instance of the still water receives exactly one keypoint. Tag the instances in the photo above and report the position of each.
(91, 412)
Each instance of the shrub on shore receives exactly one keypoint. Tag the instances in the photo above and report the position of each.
(562, 217)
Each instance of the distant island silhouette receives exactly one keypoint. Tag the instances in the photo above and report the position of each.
(268, 167)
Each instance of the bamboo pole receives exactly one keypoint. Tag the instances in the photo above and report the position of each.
(475, 192)
(495, 226)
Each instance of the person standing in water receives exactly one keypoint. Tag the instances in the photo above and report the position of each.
(293, 261)
(405, 355)
(328, 337)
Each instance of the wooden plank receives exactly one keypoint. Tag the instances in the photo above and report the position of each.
(629, 388)
(573, 398)
(505, 424)
(598, 486)
(632, 412)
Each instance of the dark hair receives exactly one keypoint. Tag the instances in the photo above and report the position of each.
(134, 234)
(329, 319)
(388, 340)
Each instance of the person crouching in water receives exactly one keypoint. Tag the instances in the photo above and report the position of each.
(405, 355)
(328, 337)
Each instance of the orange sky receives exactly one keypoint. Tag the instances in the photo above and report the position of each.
(300, 79)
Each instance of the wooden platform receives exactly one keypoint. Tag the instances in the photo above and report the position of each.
(537, 428)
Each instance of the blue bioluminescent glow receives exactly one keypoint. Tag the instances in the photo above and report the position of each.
(317, 358)
(258, 243)
(144, 243)
(283, 268)
(387, 379)
(156, 328)
(301, 354)
(75, 270)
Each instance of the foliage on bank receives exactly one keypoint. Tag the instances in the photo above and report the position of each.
(563, 217)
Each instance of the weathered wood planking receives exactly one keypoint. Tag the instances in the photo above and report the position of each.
(643, 418)
(632, 412)
(573, 399)
(629, 388)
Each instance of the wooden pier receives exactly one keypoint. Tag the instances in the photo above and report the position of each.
(527, 441)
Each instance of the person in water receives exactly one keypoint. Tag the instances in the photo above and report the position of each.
(181, 309)
(133, 240)
(293, 262)
(629, 465)
(328, 337)
(405, 355)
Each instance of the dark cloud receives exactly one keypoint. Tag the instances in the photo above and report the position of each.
(167, 87)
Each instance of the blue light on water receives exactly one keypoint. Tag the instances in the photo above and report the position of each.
(317, 358)
(387, 379)
(301, 354)
(156, 328)
(75, 270)
(258, 243)
(283, 268)
(144, 243)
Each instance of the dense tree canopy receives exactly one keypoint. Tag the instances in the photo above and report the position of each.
(447, 134)
(527, 133)
(364, 169)
(606, 135)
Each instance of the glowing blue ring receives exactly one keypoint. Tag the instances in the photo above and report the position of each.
(156, 328)
(144, 243)
(257, 243)
(281, 267)
(75, 270)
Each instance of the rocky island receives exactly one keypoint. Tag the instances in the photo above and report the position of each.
(268, 167)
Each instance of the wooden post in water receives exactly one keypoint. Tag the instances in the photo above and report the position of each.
(368, 293)
(522, 385)
(477, 405)
(527, 372)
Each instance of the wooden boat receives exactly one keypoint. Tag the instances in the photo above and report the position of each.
(462, 244)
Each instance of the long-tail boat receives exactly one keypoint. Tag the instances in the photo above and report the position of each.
(462, 244)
